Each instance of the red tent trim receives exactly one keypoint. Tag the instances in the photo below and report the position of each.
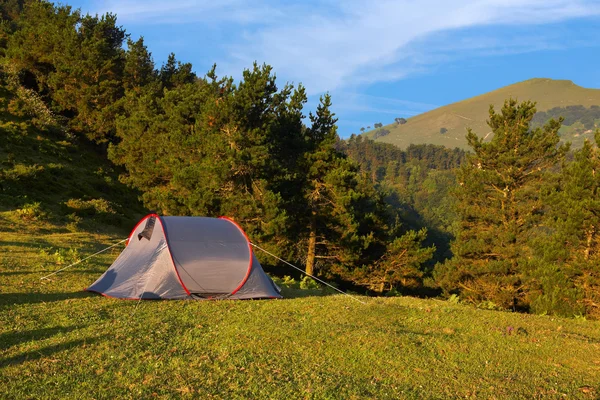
(249, 252)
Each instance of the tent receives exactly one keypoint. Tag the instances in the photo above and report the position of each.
(186, 258)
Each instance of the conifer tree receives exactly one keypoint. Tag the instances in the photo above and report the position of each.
(400, 267)
(155, 136)
(175, 73)
(499, 205)
(213, 148)
(87, 82)
(42, 35)
(74, 62)
(575, 205)
(572, 251)
(138, 70)
(344, 213)
(10, 11)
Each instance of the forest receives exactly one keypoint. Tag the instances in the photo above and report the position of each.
(511, 224)
(570, 114)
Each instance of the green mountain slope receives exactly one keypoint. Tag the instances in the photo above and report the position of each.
(455, 118)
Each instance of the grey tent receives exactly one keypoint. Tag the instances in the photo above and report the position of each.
(183, 258)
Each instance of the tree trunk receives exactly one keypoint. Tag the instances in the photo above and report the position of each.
(590, 237)
(312, 244)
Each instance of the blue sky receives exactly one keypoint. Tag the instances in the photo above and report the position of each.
(378, 59)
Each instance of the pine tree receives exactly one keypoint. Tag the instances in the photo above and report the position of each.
(343, 212)
(42, 35)
(210, 147)
(174, 73)
(138, 70)
(572, 284)
(10, 11)
(87, 82)
(156, 134)
(400, 267)
(499, 205)
(74, 62)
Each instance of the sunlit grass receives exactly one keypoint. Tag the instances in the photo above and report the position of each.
(57, 341)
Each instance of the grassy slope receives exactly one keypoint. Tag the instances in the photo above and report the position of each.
(57, 341)
(67, 182)
(473, 113)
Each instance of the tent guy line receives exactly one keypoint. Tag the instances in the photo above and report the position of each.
(304, 272)
(80, 261)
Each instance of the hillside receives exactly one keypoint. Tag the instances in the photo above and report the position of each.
(49, 177)
(455, 118)
(57, 341)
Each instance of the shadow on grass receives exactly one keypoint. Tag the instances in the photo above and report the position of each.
(4, 222)
(47, 351)
(10, 299)
(14, 338)
(36, 243)
(579, 336)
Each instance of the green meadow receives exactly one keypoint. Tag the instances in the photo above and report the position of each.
(57, 341)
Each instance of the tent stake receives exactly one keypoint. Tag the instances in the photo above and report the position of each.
(80, 261)
(314, 277)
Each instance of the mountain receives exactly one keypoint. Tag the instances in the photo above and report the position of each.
(555, 97)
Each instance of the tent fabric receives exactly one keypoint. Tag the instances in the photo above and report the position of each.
(256, 282)
(186, 258)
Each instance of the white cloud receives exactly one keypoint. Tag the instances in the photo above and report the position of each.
(154, 12)
(351, 101)
(329, 45)
(368, 41)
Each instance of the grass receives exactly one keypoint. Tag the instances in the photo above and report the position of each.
(473, 112)
(57, 341)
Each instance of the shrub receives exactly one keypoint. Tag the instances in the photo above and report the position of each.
(309, 283)
(21, 171)
(454, 299)
(90, 207)
(60, 256)
(74, 222)
(28, 102)
(31, 212)
(286, 281)
(381, 132)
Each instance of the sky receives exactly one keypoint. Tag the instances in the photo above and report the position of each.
(378, 59)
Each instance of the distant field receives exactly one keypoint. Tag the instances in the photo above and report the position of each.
(59, 342)
(455, 118)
